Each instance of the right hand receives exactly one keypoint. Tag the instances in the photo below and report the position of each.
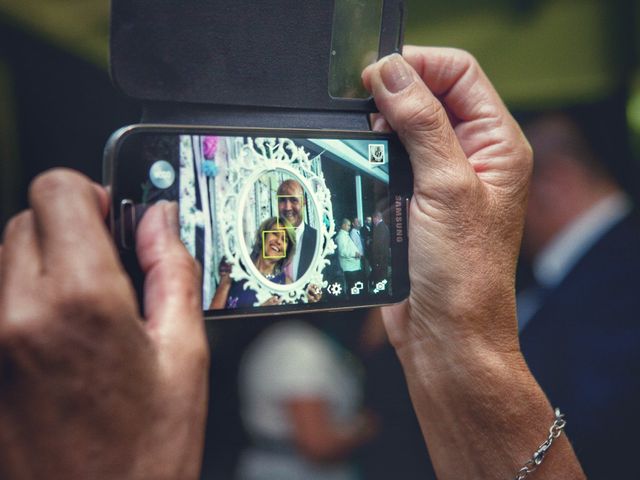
(471, 166)
(480, 409)
(314, 294)
(88, 388)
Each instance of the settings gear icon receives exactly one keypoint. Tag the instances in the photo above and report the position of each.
(335, 289)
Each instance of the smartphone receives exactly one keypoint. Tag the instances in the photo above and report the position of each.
(281, 221)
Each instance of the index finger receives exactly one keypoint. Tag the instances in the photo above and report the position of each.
(69, 211)
(455, 77)
(446, 110)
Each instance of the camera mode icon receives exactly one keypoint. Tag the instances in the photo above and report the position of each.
(380, 286)
(357, 288)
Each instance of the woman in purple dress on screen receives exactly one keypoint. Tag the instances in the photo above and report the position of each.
(271, 254)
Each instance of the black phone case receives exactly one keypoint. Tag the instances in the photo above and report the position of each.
(237, 62)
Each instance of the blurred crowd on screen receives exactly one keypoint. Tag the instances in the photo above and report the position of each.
(363, 256)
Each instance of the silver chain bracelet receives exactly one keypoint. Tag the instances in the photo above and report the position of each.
(534, 462)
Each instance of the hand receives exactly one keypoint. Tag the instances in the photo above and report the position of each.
(88, 388)
(456, 336)
(471, 167)
(314, 294)
(275, 300)
(224, 270)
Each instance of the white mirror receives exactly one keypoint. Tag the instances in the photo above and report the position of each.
(275, 219)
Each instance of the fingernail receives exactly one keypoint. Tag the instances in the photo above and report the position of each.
(171, 216)
(379, 125)
(366, 78)
(395, 74)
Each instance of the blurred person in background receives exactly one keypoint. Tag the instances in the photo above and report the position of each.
(579, 317)
(301, 397)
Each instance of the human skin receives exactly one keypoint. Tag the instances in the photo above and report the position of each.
(275, 242)
(480, 409)
(291, 202)
(88, 387)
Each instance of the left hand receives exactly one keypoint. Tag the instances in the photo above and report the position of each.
(88, 388)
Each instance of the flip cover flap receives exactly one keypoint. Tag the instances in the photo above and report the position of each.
(272, 54)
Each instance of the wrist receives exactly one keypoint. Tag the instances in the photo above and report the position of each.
(451, 324)
(460, 337)
(461, 366)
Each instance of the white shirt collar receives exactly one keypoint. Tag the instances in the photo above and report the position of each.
(557, 259)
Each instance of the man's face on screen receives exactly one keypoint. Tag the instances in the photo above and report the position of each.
(291, 202)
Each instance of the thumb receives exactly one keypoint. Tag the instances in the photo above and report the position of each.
(172, 290)
(418, 117)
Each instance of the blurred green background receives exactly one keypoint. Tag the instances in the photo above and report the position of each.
(57, 106)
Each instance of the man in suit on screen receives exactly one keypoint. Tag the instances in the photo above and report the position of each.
(291, 207)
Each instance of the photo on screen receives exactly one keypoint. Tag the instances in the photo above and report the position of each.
(285, 220)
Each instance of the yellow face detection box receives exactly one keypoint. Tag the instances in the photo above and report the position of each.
(283, 240)
(300, 205)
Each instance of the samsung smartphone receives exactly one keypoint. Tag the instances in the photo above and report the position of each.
(280, 220)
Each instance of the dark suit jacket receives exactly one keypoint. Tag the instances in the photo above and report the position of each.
(309, 240)
(380, 245)
(583, 347)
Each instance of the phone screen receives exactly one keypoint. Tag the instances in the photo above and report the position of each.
(279, 221)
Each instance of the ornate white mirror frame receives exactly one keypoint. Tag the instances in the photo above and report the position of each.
(258, 157)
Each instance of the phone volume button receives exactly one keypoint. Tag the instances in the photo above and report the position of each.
(127, 223)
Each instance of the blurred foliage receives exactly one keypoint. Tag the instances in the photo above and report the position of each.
(541, 53)
(537, 52)
(79, 26)
(633, 114)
